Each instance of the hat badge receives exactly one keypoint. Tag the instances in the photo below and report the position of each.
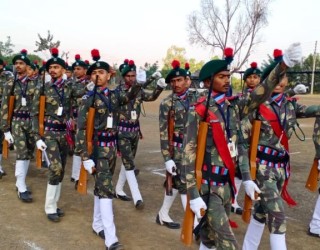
(98, 64)
(22, 57)
(177, 73)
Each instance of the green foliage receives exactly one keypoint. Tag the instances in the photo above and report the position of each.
(6, 48)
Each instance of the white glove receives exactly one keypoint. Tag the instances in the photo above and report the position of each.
(319, 164)
(141, 76)
(196, 205)
(300, 89)
(8, 137)
(250, 188)
(292, 55)
(90, 86)
(88, 165)
(64, 77)
(47, 77)
(156, 75)
(171, 167)
(162, 83)
(41, 145)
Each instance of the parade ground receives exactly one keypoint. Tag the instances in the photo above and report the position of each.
(25, 225)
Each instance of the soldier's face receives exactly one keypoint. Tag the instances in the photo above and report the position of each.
(56, 71)
(79, 71)
(252, 81)
(69, 73)
(221, 82)
(102, 75)
(30, 71)
(21, 67)
(280, 88)
(130, 78)
(179, 84)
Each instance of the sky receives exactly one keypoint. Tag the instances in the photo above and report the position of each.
(143, 30)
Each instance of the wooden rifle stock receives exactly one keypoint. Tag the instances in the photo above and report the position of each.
(171, 150)
(5, 146)
(247, 207)
(187, 228)
(42, 104)
(314, 176)
(82, 184)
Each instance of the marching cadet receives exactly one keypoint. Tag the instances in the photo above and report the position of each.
(102, 161)
(80, 82)
(278, 116)
(23, 90)
(68, 72)
(177, 102)
(129, 131)
(314, 226)
(53, 143)
(218, 169)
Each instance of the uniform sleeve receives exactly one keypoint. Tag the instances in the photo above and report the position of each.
(4, 105)
(189, 153)
(124, 97)
(34, 113)
(163, 126)
(150, 97)
(316, 137)
(81, 127)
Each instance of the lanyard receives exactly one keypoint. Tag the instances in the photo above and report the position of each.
(282, 124)
(104, 97)
(225, 120)
(23, 91)
(61, 97)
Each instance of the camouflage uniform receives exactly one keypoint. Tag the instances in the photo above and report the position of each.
(106, 102)
(56, 93)
(180, 105)
(215, 188)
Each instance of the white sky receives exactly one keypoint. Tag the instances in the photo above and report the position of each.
(142, 30)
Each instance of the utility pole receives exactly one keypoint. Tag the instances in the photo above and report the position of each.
(313, 67)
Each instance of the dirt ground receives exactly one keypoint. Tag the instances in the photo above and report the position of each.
(25, 226)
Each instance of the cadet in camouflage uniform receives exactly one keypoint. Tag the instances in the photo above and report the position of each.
(58, 93)
(129, 131)
(23, 89)
(314, 226)
(105, 102)
(79, 84)
(218, 169)
(3, 78)
(278, 120)
(179, 101)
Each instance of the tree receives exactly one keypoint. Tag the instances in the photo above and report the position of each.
(6, 48)
(236, 25)
(46, 43)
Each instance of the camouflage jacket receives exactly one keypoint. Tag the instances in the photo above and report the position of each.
(316, 137)
(260, 94)
(180, 107)
(27, 89)
(79, 90)
(288, 112)
(105, 102)
(55, 96)
(124, 111)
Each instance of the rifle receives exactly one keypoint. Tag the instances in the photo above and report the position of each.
(314, 177)
(11, 100)
(188, 221)
(83, 178)
(247, 207)
(42, 104)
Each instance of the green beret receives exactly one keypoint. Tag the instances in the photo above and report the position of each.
(55, 59)
(215, 66)
(97, 64)
(22, 56)
(253, 70)
(128, 68)
(69, 68)
(125, 63)
(176, 71)
(78, 62)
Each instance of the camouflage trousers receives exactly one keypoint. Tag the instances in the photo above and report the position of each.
(216, 230)
(270, 209)
(1, 140)
(105, 160)
(128, 145)
(24, 142)
(57, 150)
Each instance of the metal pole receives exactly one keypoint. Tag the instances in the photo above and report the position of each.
(313, 67)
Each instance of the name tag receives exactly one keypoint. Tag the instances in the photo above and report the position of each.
(232, 149)
(23, 101)
(133, 115)
(109, 122)
(60, 110)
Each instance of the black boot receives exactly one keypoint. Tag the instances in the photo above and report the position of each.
(53, 217)
(139, 205)
(115, 246)
(171, 225)
(25, 196)
(60, 212)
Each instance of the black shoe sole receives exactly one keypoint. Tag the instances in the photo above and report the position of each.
(170, 225)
